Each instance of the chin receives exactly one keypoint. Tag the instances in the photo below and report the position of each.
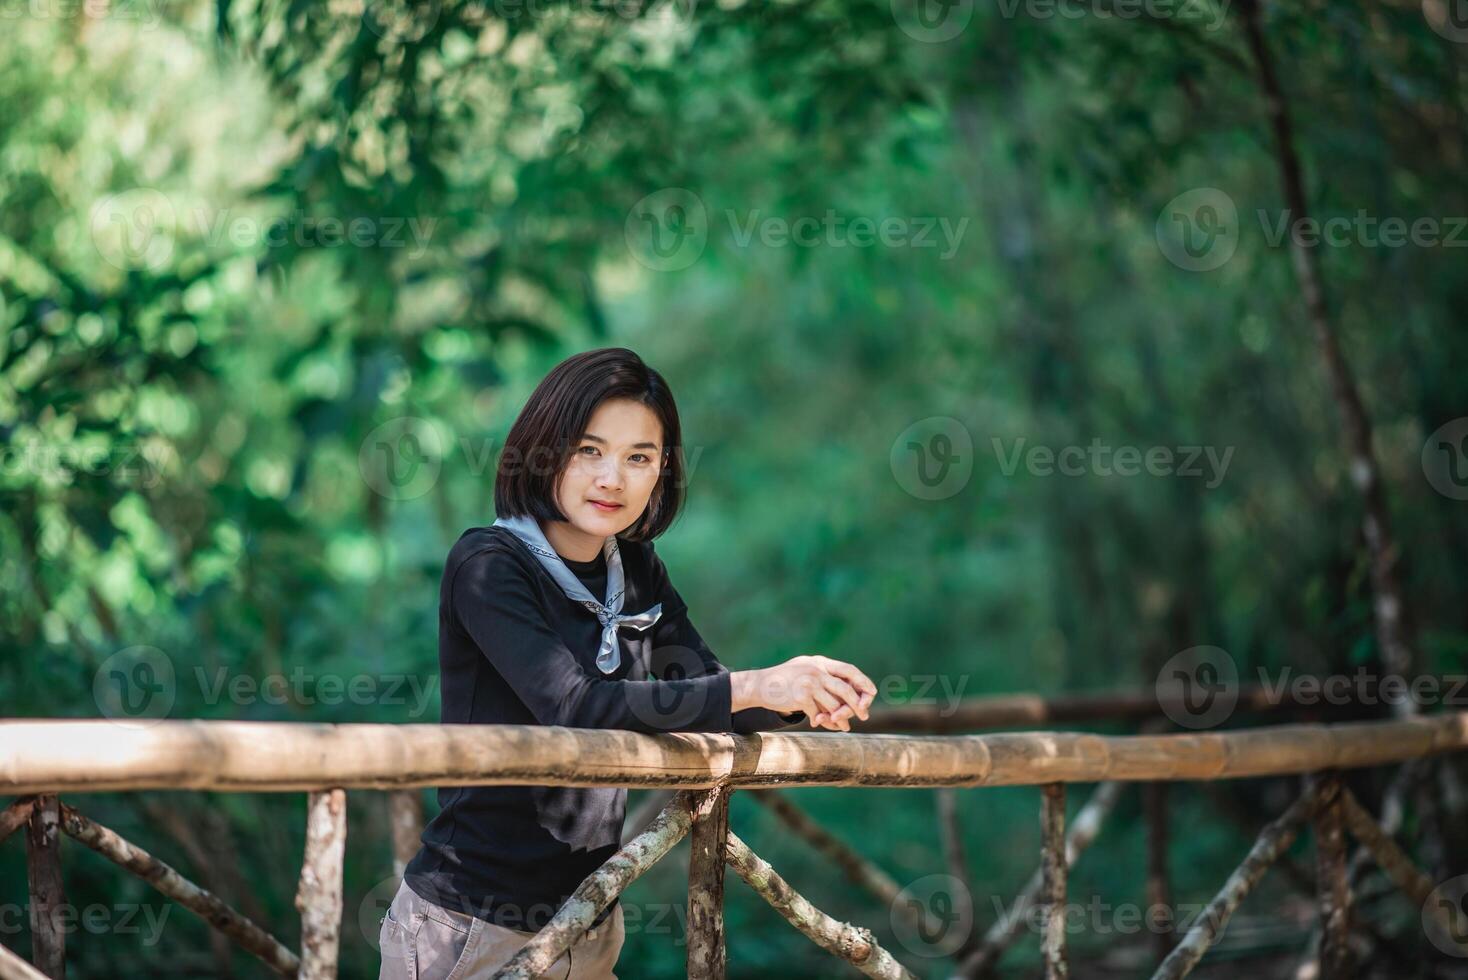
(605, 525)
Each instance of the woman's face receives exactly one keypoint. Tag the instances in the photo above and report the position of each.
(617, 461)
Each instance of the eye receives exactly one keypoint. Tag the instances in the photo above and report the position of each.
(584, 448)
(642, 456)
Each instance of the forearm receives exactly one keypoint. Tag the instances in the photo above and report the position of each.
(695, 704)
(744, 690)
(749, 711)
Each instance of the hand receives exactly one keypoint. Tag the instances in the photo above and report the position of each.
(829, 691)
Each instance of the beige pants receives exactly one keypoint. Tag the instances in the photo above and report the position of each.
(421, 940)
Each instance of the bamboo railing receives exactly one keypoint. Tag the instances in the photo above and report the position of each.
(40, 759)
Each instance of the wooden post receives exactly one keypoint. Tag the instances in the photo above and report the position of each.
(709, 840)
(319, 894)
(405, 813)
(984, 960)
(47, 896)
(951, 832)
(1159, 884)
(1332, 883)
(1052, 861)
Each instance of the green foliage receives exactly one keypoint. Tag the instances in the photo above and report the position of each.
(198, 357)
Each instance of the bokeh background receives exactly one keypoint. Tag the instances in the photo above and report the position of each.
(277, 278)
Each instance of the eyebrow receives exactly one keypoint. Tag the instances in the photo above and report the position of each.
(640, 445)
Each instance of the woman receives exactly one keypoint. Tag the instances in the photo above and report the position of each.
(561, 613)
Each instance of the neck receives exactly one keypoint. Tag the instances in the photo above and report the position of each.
(572, 542)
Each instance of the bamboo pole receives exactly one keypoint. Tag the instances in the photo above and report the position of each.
(1273, 841)
(99, 756)
(1083, 830)
(599, 890)
(1052, 867)
(16, 816)
(708, 841)
(169, 882)
(319, 892)
(47, 895)
(14, 967)
(1450, 922)
(1333, 886)
(853, 944)
(405, 814)
(1018, 710)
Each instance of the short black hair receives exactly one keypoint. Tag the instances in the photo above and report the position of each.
(551, 425)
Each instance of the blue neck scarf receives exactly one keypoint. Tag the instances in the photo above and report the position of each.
(609, 613)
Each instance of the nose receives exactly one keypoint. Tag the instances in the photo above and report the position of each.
(609, 474)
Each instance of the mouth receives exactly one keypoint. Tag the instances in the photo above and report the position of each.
(605, 508)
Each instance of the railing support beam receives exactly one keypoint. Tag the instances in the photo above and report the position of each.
(47, 896)
(1052, 864)
(1332, 883)
(983, 961)
(709, 840)
(319, 894)
(853, 944)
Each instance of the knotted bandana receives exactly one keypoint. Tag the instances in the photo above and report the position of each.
(609, 654)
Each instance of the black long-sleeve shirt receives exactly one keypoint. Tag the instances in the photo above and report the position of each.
(513, 649)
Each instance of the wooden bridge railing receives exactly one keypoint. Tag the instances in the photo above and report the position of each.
(41, 759)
